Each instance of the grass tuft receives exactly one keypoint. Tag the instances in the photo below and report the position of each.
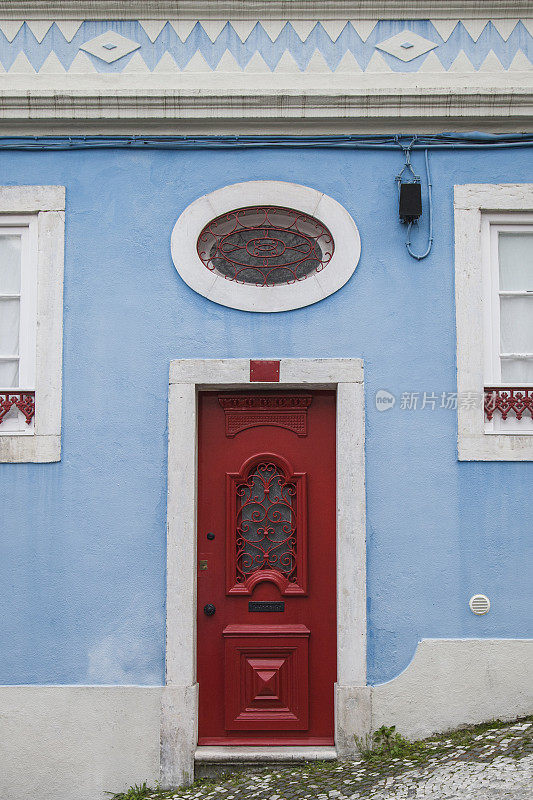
(137, 792)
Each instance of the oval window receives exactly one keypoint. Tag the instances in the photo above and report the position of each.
(265, 245)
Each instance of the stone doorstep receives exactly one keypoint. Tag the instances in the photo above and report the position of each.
(211, 760)
(210, 754)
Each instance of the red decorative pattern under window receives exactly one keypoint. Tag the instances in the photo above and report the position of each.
(267, 532)
(504, 401)
(23, 400)
(265, 245)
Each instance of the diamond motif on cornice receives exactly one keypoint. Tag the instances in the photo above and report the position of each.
(297, 46)
(406, 45)
(110, 46)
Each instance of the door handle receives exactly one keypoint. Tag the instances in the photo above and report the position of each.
(209, 609)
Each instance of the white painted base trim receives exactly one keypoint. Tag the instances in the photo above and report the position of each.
(66, 742)
(238, 755)
(454, 682)
(61, 741)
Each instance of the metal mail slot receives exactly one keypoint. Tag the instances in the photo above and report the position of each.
(266, 606)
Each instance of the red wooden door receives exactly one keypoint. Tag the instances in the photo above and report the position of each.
(266, 568)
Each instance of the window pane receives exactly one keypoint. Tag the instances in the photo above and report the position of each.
(516, 261)
(9, 327)
(265, 245)
(516, 324)
(9, 374)
(9, 264)
(517, 370)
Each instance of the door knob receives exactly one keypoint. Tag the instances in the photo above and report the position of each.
(209, 609)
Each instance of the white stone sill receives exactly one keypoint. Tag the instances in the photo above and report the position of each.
(225, 754)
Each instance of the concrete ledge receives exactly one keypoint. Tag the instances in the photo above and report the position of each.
(32, 110)
(275, 9)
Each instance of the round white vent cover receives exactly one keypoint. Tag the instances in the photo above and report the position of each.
(479, 604)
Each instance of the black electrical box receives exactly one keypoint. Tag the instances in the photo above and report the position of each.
(410, 201)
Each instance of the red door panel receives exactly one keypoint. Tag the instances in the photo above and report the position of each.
(266, 685)
(266, 568)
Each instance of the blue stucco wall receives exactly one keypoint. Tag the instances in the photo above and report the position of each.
(83, 541)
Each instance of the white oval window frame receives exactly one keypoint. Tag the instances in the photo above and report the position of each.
(265, 299)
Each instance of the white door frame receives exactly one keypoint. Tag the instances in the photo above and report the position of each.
(179, 713)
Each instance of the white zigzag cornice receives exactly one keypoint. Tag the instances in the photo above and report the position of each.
(301, 44)
(255, 9)
(322, 76)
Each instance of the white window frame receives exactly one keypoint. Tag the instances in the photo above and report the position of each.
(26, 228)
(265, 298)
(38, 212)
(480, 212)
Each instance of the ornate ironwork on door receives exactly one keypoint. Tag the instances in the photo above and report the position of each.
(266, 523)
(266, 527)
(265, 245)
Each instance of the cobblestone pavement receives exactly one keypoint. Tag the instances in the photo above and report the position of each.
(492, 764)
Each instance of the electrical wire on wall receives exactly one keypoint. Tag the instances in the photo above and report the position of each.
(430, 211)
(435, 141)
(410, 199)
(409, 191)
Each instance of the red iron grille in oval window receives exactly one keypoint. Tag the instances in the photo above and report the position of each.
(265, 245)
